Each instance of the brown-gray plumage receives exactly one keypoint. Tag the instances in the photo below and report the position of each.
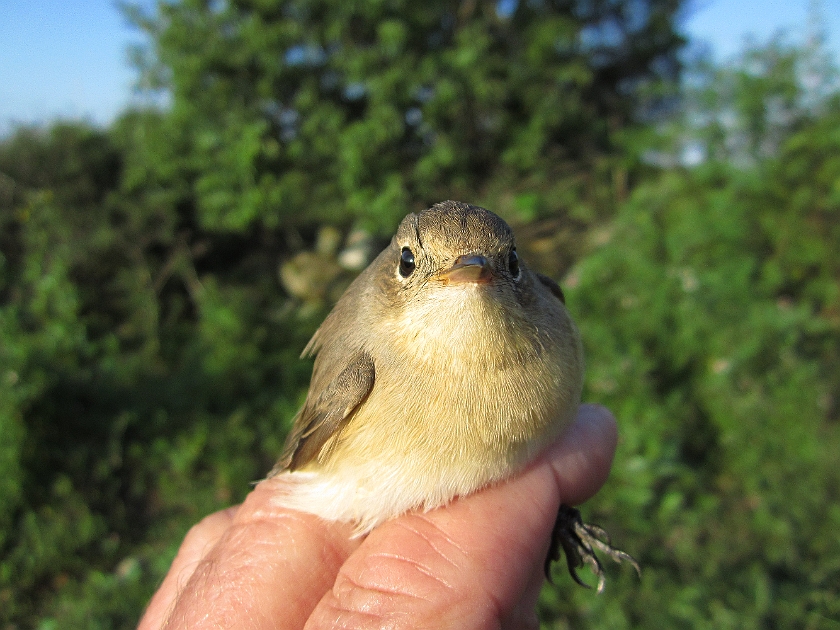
(324, 416)
(508, 324)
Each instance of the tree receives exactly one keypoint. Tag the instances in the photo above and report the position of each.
(711, 319)
(149, 355)
(310, 110)
(137, 390)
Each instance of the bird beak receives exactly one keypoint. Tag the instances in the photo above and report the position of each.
(468, 268)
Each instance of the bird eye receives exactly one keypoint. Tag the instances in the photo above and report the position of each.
(513, 263)
(406, 262)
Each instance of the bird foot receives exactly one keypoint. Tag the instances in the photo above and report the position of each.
(579, 541)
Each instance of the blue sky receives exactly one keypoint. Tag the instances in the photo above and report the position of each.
(68, 58)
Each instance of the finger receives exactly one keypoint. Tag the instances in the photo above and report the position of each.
(473, 564)
(198, 542)
(582, 458)
(267, 570)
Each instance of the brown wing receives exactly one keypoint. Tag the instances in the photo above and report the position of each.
(552, 286)
(326, 413)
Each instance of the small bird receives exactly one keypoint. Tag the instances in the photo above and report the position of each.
(446, 366)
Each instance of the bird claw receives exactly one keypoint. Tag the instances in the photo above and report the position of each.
(579, 541)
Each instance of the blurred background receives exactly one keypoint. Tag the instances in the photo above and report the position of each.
(187, 186)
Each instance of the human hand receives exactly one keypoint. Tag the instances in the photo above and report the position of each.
(475, 563)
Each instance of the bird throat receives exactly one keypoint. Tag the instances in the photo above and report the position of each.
(460, 325)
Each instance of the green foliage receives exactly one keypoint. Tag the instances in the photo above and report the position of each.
(712, 323)
(287, 113)
(148, 363)
(145, 379)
